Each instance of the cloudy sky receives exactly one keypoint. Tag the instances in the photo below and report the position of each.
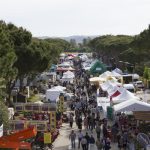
(77, 17)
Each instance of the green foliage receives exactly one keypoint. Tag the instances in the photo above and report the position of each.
(110, 45)
(73, 43)
(146, 73)
(4, 115)
(23, 56)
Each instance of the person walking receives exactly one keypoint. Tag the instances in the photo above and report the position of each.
(91, 142)
(98, 131)
(99, 144)
(71, 120)
(107, 144)
(83, 143)
(88, 140)
(80, 136)
(72, 137)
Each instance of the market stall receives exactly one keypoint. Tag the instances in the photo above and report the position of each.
(68, 76)
(132, 105)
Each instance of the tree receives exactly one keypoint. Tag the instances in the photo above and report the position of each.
(73, 43)
(7, 60)
(4, 115)
(109, 46)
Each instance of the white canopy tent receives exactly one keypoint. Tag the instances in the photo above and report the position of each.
(65, 64)
(53, 93)
(115, 74)
(114, 89)
(97, 79)
(109, 84)
(103, 102)
(124, 96)
(106, 74)
(132, 105)
(71, 74)
(68, 76)
(59, 88)
(117, 70)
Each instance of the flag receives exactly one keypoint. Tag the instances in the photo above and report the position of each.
(1, 130)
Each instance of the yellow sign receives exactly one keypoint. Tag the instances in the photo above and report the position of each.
(47, 138)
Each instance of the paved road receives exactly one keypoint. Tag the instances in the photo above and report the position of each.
(63, 143)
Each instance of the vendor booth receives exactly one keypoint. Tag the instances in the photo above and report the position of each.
(97, 67)
(53, 94)
(132, 105)
(68, 76)
(124, 96)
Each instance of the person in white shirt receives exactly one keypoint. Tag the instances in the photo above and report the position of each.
(84, 143)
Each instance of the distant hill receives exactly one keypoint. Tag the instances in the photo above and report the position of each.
(78, 38)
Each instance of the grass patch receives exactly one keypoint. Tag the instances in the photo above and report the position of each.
(34, 98)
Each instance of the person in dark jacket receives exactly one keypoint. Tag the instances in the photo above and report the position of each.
(91, 142)
(88, 140)
(107, 144)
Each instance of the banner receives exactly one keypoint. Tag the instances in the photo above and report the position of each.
(1, 130)
(52, 120)
(47, 138)
(61, 103)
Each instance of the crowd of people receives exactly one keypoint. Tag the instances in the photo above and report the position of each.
(93, 129)
(87, 116)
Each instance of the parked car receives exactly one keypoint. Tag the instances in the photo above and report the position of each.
(139, 85)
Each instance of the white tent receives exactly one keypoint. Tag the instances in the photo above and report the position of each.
(65, 65)
(97, 79)
(69, 73)
(109, 84)
(53, 93)
(106, 74)
(68, 76)
(115, 74)
(113, 90)
(103, 102)
(132, 105)
(105, 85)
(117, 70)
(59, 88)
(124, 96)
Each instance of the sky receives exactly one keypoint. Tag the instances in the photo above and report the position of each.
(77, 17)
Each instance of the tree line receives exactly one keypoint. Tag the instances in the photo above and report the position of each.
(131, 50)
(22, 55)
